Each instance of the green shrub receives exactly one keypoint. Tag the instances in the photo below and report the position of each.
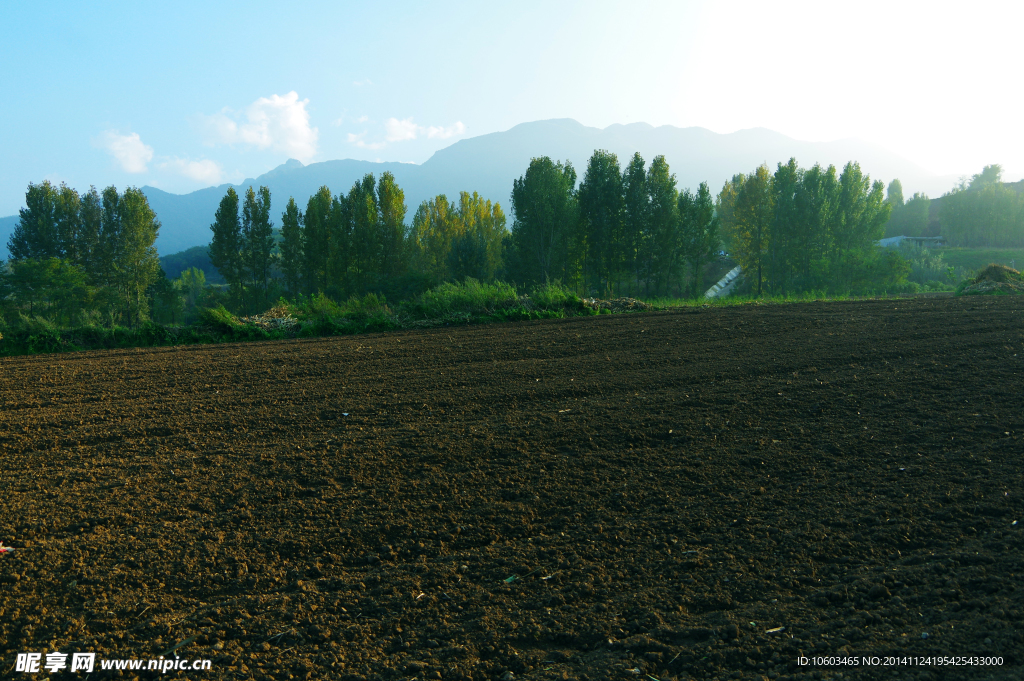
(469, 297)
(555, 295)
(219, 319)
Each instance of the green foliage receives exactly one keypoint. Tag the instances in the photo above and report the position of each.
(291, 246)
(105, 247)
(321, 244)
(219, 319)
(601, 211)
(469, 297)
(910, 218)
(197, 257)
(226, 245)
(808, 229)
(554, 295)
(670, 215)
(894, 195)
(698, 233)
(544, 244)
(257, 244)
(976, 258)
(983, 213)
(927, 265)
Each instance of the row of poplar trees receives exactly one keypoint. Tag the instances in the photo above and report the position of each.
(809, 229)
(350, 244)
(621, 230)
(77, 254)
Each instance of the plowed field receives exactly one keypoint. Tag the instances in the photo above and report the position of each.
(706, 494)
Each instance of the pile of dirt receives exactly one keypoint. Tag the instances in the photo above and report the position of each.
(994, 280)
(274, 319)
(618, 304)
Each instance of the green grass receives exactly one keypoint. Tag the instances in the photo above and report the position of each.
(663, 303)
(467, 302)
(976, 258)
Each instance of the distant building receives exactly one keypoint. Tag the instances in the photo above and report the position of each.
(895, 241)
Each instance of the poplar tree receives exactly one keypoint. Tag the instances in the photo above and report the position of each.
(753, 217)
(137, 264)
(225, 247)
(316, 242)
(35, 235)
(664, 222)
(476, 252)
(291, 245)
(391, 226)
(435, 228)
(785, 227)
(700, 232)
(89, 248)
(257, 244)
(364, 242)
(636, 219)
(601, 209)
(544, 241)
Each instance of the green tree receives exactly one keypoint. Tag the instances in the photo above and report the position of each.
(544, 243)
(477, 250)
(257, 245)
(785, 226)
(226, 245)
(636, 219)
(817, 204)
(894, 194)
(316, 243)
(89, 249)
(725, 207)
(35, 235)
(601, 210)
(753, 218)
(910, 219)
(50, 287)
(391, 226)
(435, 229)
(983, 212)
(862, 215)
(365, 244)
(663, 224)
(191, 286)
(166, 305)
(700, 233)
(136, 264)
(291, 246)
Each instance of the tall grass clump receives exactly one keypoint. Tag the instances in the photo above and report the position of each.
(551, 296)
(467, 299)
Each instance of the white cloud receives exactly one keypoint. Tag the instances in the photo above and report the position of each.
(277, 122)
(360, 83)
(400, 130)
(362, 119)
(360, 141)
(201, 171)
(128, 150)
(405, 129)
(445, 133)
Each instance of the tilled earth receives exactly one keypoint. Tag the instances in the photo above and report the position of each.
(701, 494)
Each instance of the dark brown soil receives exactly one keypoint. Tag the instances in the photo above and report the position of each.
(628, 496)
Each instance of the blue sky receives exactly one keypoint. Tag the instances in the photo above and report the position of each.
(184, 95)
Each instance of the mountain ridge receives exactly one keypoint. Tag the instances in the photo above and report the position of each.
(489, 163)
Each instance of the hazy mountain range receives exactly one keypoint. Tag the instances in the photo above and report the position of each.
(489, 163)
